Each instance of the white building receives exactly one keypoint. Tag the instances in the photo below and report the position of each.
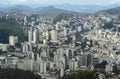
(25, 47)
(109, 68)
(30, 34)
(33, 35)
(42, 67)
(65, 31)
(73, 65)
(47, 35)
(3, 47)
(54, 36)
(26, 64)
(13, 40)
(79, 28)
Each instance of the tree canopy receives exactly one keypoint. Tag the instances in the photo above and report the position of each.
(10, 27)
(82, 75)
(59, 17)
(17, 74)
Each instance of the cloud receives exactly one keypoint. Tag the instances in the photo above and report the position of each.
(22, 0)
(114, 1)
(45, 2)
(19, 1)
(50, 2)
(12, 1)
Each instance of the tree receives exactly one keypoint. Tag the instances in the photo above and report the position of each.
(101, 65)
(81, 75)
(10, 27)
(17, 74)
(59, 17)
(11, 49)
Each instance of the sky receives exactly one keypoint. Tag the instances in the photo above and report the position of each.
(56, 2)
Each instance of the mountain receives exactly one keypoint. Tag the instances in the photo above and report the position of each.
(111, 11)
(53, 10)
(18, 9)
(84, 8)
(21, 9)
(39, 8)
(56, 9)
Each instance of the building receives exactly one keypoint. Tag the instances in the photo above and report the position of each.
(83, 60)
(65, 31)
(95, 61)
(42, 67)
(73, 65)
(3, 59)
(33, 35)
(109, 68)
(25, 47)
(3, 47)
(54, 36)
(25, 64)
(86, 60)
(13, 40)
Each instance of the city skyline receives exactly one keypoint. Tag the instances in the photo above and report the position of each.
(60, 39)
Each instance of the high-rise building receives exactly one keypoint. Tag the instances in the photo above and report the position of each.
(61, 63)
(47, 35)
(79, 28)
(13, 40)
(61, 72)
(33, 35)
(30, 35)
(65, 31)
(25, 20)
(42, 67)
(73, 64)
(54, 36)
(85, 60)
(25, 47)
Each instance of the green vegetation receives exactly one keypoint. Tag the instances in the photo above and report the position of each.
(17, 74)
(108, 25)
(11, 49)
(82, 75)
(101, 65)
(59, 17)
(10, 27)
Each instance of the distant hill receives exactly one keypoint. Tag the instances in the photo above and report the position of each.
(21, 9)
(111, 11)
(84, 8)
(53, 10)
(58, 9)
(18, 9)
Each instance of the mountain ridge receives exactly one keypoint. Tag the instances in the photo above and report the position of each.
(85, 8)
(40, 10)
(115, 10)
(57, 9)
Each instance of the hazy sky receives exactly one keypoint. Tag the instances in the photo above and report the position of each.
(54, 2)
